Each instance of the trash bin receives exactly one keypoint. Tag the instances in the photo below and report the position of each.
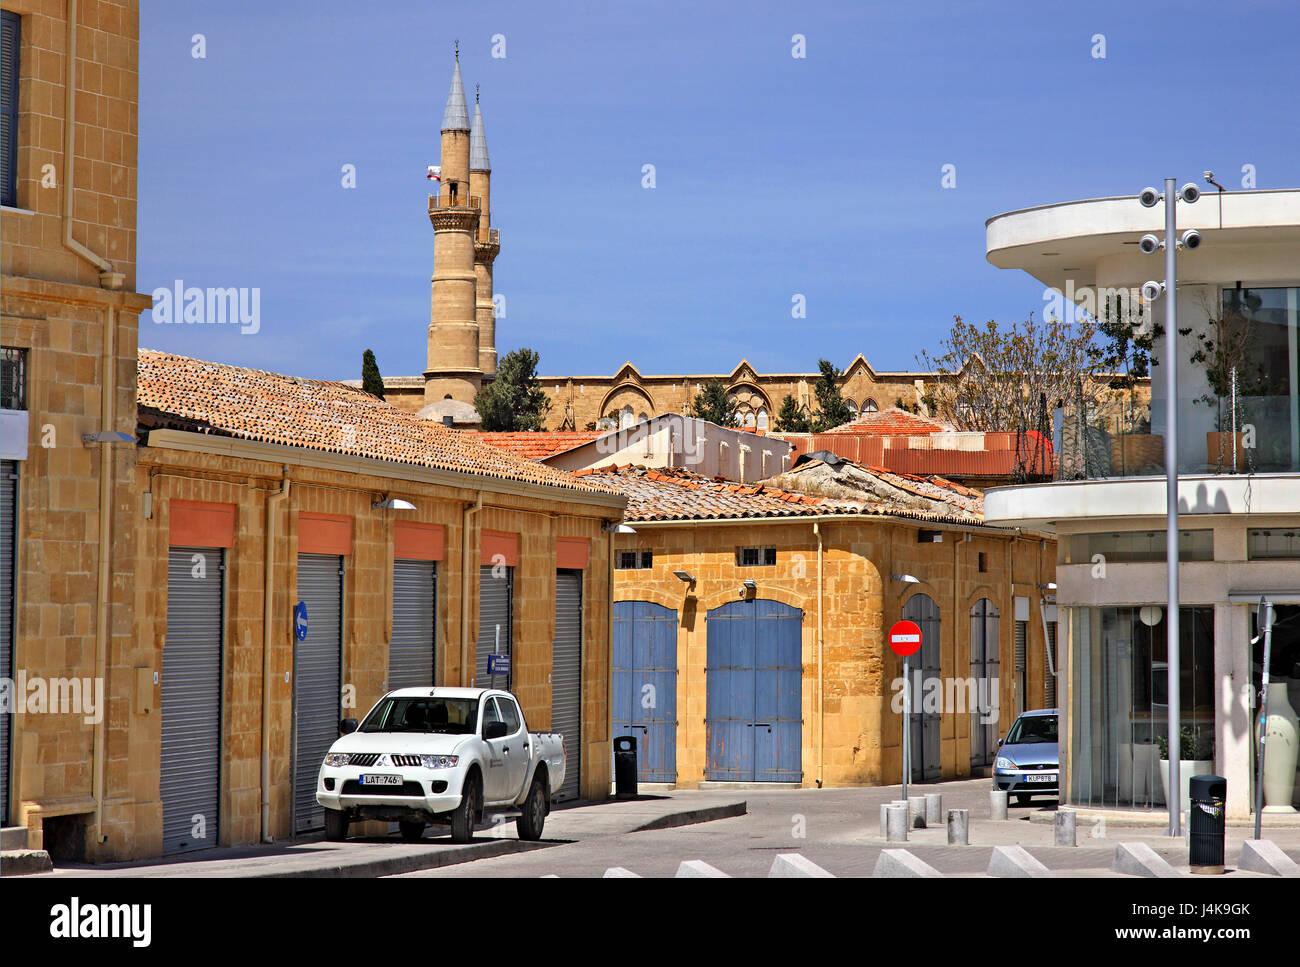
(1205, 823)
(625, 767)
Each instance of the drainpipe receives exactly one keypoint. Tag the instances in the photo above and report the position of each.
(108, 279)
(108, 392)
(821, 667)
(268, 568)
(466, 671)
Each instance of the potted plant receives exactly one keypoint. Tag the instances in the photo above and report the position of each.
(1127, 355)
(1222, 350)
(1196, 757)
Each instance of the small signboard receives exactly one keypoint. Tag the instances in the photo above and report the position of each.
(905, 638)
(498, 664)
(300, 620)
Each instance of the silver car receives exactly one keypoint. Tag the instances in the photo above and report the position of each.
(1028, 763)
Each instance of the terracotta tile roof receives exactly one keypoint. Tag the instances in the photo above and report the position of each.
(892, 421)
(537, 445)
(663, 495)
(189, 394)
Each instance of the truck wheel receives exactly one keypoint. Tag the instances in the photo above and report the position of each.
(412, 832)
(336, 825)
(533, 819)
(465, 816)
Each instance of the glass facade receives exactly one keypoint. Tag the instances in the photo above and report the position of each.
(1120, 711)
(1239, 395)
(1281, 775)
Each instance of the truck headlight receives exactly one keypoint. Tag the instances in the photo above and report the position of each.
(1004, 763)
(439, 761)
(336, 760)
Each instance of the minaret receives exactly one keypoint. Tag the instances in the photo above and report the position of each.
(453, 361)
(487, 243)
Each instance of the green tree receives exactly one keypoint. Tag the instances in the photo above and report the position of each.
(790, 418)
(832, 411)
(713, 404)
(514, 400)
(371, 381)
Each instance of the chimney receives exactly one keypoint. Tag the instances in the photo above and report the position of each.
(446, 420)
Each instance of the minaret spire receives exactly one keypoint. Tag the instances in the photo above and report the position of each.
(478, 149)
(456, 116)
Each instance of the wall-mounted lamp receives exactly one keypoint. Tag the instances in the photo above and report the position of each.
(106, 436)
(906, 578)
(1049, 586)
(393, 503)
(610, 528)
(684, 576)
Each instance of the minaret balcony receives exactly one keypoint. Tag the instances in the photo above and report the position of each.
(437, 202)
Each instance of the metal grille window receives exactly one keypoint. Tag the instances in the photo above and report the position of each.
(1049, 679)
(634, 560)
(755, 556)
(12, 43)
(13, 378)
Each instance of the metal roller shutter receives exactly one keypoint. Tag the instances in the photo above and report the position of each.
(411, 653)
(495, 594)
(316, 680)
(1049, 673)
(8, 553)
(1022, 672)
(190, 784)
(566, 677)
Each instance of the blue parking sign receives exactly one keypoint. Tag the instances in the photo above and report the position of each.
(300, 620)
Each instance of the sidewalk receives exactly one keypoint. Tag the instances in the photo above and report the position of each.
(314, 857)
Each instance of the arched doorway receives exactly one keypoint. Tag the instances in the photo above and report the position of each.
(643, 702)
(984, 670)
(921, 609)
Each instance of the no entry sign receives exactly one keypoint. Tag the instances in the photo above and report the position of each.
(905, 638)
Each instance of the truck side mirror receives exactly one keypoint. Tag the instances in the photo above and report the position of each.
(347, 725)
(494, 730)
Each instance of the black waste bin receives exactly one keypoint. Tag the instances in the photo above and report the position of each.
(1207, 818)
(625, 767)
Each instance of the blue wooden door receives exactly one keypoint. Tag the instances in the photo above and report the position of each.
(754, 679)
(645, 685)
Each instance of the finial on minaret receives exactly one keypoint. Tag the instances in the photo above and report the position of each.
(476, 94)
(457, 50)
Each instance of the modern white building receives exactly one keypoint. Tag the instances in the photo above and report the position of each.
(1238, 423)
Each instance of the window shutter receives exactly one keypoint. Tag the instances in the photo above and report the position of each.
(9, 123)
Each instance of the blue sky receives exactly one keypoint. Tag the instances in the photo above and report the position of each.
(775, 176)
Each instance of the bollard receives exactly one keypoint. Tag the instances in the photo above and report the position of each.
(997, 805)
(933, 808)
(958, 827)
(896, 830)
(916, 811)
(1065, 827)
(884, 819)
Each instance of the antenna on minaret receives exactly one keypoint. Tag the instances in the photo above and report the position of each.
(475, 93)
(458, 50)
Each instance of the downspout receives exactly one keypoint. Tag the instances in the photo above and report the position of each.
(108, 279)
(108, 392)
(609, 644)
(821, 668)
(466, 673)
(268, 567)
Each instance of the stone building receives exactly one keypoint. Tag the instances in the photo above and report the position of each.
(162, 518)
(750, 626)
(69, 315)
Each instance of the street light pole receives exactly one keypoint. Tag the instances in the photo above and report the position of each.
(1171, 499)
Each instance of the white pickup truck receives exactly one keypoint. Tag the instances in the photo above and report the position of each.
(441, 755)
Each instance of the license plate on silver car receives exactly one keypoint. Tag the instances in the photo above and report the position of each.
(381, 780)
(1041, 777)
